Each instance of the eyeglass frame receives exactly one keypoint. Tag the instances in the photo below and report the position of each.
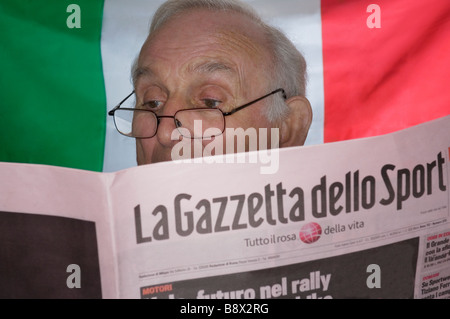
(158, 117)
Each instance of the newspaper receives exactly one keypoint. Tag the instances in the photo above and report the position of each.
(365, 218)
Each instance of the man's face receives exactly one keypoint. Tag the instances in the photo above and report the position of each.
(201, 58)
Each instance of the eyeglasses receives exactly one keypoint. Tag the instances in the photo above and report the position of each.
(191, 123)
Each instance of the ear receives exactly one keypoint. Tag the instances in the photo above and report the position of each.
(295, 127)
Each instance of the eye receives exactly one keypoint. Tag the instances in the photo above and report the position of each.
(211, 103)
(153, 104)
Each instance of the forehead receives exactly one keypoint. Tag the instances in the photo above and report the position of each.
(203, 40)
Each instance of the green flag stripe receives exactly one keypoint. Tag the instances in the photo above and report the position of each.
(51, 88)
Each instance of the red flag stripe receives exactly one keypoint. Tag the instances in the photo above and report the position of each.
(379, 80)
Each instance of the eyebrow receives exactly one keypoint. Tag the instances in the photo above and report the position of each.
(138, 72)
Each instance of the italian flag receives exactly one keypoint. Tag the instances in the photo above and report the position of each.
(375, 67)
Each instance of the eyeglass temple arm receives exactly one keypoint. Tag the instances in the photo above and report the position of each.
(120, 103)
(257, 100)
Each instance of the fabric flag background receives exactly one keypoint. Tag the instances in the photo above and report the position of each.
(372, 70)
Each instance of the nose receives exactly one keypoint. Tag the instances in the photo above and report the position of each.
(167, 133)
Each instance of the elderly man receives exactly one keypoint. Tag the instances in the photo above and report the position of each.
(206, 68)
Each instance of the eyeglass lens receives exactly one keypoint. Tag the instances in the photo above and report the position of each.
(192, 123)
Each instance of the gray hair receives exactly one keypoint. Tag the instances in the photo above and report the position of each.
(289, 64)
